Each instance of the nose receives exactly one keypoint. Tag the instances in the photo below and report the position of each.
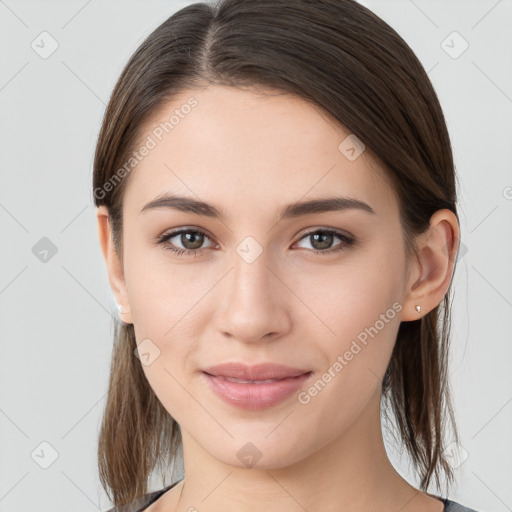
(253, 302)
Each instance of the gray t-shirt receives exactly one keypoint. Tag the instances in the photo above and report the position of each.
(143, 502)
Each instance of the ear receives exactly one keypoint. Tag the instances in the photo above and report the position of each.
(113, 263)
(432, 271)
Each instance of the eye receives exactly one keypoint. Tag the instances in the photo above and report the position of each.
(191, 239)
(321, 241)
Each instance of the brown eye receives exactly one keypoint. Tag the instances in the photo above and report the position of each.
(191, 241)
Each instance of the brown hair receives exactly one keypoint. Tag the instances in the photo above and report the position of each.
(340, 56)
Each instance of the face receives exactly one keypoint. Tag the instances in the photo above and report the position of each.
(319, 290)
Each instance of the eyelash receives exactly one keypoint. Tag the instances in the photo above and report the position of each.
(346, 242)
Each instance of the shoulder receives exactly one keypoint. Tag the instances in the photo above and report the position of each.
(453, 506)
(142, 502)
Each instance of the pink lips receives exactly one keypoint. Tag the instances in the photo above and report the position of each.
(269, 383)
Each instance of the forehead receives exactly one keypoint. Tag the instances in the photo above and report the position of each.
(253, 151)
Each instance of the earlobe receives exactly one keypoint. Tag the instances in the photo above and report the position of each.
(124, 313)
(433, 268)
(113, 264)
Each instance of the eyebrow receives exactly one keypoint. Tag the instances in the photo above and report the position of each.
(190, 205)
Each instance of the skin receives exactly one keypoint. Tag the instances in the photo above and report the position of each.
(249, 154)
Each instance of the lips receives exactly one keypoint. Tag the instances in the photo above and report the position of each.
(254, 387)
(256, 373)
(255, 395)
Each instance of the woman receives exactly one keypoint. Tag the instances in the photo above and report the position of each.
(277, 213)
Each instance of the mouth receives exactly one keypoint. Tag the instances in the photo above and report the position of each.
(254, 394)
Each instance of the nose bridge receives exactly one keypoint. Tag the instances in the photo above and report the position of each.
(250, 280)
(251, 304)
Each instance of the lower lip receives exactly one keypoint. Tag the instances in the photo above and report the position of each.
(254, 396)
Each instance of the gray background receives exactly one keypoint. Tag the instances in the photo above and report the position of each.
(55, 315)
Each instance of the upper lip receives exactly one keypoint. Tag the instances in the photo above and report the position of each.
(261, 371)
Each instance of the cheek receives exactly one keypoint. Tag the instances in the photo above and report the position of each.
(343, 299)
(365, 319)
(165, 312)
(165, 301)
(170, 385)
(162, 292)
(356, 307)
